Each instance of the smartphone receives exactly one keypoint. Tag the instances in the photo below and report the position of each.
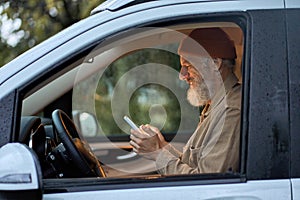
(131, 123)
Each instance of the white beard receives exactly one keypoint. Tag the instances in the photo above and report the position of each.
(199, 94)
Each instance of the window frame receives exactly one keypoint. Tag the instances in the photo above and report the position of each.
(293, 69)
(241, 19)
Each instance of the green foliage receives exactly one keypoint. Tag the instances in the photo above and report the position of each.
(35, 21)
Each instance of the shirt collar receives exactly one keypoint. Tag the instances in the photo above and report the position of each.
(230, 81)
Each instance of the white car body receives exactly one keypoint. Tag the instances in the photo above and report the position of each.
(108, 22)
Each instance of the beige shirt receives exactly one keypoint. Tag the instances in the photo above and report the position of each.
(214, 146)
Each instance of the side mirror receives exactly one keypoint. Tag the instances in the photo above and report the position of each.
(86, 123)
(20, 173)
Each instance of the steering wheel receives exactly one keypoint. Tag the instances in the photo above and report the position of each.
(79, 152)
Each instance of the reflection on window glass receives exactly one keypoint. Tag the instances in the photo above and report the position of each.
(149, 103)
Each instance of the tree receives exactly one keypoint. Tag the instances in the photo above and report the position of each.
(25, 23)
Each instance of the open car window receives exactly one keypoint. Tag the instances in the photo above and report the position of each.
(136, 74)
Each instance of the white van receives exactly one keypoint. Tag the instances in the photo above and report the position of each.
(62, 133)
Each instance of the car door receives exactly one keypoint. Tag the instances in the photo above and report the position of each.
(263, 171)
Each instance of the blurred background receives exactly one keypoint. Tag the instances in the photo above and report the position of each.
(26, 23)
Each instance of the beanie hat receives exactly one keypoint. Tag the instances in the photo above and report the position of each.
(214, 41)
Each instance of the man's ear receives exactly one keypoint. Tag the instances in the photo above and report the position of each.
(218, 62)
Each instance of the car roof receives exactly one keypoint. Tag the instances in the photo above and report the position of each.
(114, 5)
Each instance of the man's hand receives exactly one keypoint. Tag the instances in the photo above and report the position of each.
(147, 142)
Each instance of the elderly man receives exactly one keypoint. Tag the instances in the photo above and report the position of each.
(207, 57)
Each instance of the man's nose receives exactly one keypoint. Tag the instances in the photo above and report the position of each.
(184, 74)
